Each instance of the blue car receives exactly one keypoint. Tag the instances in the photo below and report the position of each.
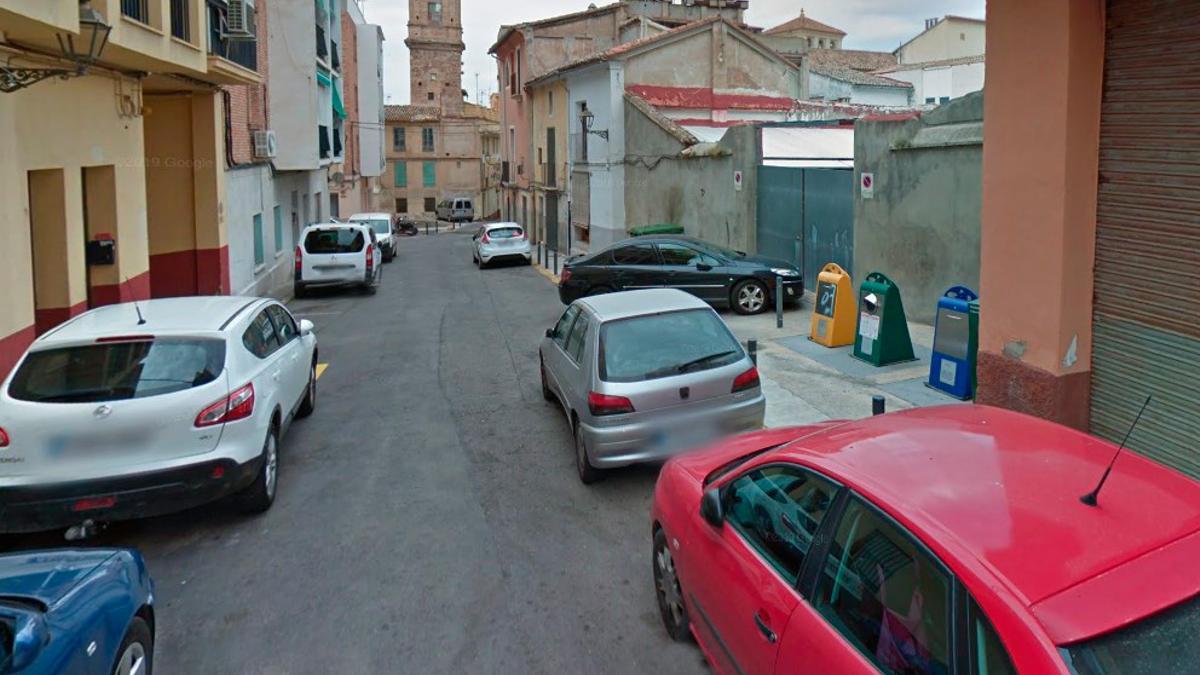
(78, 611)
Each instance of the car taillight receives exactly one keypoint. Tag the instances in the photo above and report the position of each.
(747, 380)
(522, 236)
(299, 261)
(486, 239)
(603, 404)
(370, 259)
(237, 406)
(564, 276)
(3, 438)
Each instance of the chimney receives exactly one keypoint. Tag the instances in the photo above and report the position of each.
(930, 23)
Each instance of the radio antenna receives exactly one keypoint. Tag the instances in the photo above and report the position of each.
(1090, 498)
(136, 307)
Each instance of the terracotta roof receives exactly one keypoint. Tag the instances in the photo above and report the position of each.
(480, 112)
(857, 59)
(962, 60)
(803, 23)
(666, 123)
(411, 113)
(847, 74)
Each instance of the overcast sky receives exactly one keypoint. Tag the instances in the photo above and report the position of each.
(869, 24)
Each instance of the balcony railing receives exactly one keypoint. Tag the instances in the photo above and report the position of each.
(181, 19)
(323, 141)
(335, 61)
(242, 52)
(322, 44)
(136, 9)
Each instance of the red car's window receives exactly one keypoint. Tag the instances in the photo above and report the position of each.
(778, 509)
(1163, 643)
(887, 596)
(988, 656)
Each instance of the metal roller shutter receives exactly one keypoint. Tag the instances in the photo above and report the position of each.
(1146, 337)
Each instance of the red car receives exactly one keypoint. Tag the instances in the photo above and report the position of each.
(942, 540)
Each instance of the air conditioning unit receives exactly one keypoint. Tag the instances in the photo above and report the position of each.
(265, 144)
(239, 20)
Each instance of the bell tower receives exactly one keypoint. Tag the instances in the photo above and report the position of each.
(435, 49)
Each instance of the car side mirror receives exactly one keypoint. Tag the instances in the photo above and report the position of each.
(711, 508)
(551, 333)
(703, 267)
(30, 635)
(306, 327)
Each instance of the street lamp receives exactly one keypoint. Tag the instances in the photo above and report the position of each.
(93, 37)
(589, 118)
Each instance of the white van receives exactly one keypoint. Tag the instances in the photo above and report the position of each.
(382, 224)
(338, 254)
(456, 210)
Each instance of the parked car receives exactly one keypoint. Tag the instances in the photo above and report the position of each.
(381, 223)
(500, 241)
(338, 254)
(78, 611)
(643, 375)
(135, 410)
(715, 274)
(456, 210)
(947, 540)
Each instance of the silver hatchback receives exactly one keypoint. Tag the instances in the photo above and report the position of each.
(643, 375)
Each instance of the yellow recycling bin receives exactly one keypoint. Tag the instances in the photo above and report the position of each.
(834, 313)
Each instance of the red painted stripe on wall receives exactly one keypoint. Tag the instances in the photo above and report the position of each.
(191, 272)
(13, 347)
(137, 288)
(706, 98)
(46, 318)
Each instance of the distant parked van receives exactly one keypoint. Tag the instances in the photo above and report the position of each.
(456, 210)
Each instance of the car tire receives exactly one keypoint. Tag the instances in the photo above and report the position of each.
(298, 291)
(599, 290)
(138, 644)
(309, 404)
(260, 494)
(588, 474)
(668, 590)
(546, 393)
(749, 296)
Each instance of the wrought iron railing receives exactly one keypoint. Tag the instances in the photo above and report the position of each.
(323, 141)
(181, 19)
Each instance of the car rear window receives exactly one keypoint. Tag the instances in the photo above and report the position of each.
(504, 233)
(334, 240)
(661, 345)
(117, 371)
(1163, 643)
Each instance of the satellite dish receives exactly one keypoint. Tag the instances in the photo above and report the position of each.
(338, 177)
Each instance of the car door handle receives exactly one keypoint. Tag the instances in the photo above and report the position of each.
(764, 628)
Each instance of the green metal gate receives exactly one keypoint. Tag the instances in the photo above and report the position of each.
(806, 216)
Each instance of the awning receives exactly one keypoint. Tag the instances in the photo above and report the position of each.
(323, 78)
(338, 108)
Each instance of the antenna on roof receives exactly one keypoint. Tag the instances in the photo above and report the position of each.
(137, 308)
(1090, 498)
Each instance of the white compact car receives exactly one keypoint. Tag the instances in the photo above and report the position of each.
(338, 254)
(137, 410)
(381, 223)
(501, 241)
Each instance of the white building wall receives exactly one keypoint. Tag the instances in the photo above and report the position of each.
(371, 132)
(831, 89)
(292, 87)
(941, 82)
(602, 88)
(966, 78)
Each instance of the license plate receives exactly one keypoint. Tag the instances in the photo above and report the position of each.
(683, 438)
(67, 448)
(332, 267)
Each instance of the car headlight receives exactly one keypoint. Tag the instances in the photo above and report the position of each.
(783, 272)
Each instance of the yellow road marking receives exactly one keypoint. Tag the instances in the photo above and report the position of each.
(546, 273)
(321, 369)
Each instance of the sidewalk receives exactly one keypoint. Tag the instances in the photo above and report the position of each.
(806, 382)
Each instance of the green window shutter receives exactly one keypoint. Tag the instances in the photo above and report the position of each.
(278, 229)
(430, 169)
(401, 174)
(259, 253)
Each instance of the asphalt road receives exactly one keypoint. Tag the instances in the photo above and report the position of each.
(429, 519)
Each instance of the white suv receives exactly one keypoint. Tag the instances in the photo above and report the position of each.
(338, 254)
(136, 410)
(381, 223)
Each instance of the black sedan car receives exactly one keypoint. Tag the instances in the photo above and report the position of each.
(715, 274)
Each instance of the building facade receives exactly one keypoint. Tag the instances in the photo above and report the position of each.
(938, 82)
(803, 34)
(436, 144)
(1090, 235)
(126, 157)
(950, 37)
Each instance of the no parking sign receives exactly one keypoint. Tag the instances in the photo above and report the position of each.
(868, 185)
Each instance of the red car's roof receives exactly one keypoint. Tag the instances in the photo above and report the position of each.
(1005, 487)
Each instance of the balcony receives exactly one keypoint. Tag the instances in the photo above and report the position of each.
(323, 141)
(138, 10)
(337, 141)
(229, 60)
(322, 44)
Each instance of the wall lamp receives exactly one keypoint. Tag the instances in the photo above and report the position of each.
(93, 37)
(589, 118)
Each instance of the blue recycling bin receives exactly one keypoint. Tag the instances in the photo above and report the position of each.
(955, 343)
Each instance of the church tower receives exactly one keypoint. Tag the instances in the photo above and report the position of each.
(435, 49)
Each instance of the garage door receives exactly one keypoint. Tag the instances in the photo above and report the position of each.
(1147, 278)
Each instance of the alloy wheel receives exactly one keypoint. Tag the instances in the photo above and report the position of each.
(670, 595)
(272, 467)
(751, 297)
(132, 661)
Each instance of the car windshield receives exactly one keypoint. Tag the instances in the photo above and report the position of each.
(334, 240)
(117, 371)
(727, 253)
(1163, 643)
(661, 345)
(504, 233)
(381, 226)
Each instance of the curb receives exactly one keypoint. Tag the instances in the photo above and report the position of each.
(550, 276)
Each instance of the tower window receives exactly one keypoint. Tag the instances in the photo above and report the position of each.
(435, 12)
(429, 96)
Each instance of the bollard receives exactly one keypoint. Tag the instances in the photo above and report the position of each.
(779, 302)
(427, 228)
(752, 348)
(555, 268)
(878, 405)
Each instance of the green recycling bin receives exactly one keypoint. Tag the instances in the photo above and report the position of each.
(882, 337)
(659, 229)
